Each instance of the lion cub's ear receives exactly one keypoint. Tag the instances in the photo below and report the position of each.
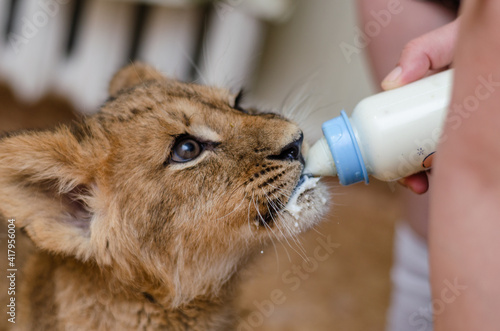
(133, 75)
(46, 185)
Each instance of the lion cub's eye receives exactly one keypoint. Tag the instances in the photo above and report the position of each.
(186, 149)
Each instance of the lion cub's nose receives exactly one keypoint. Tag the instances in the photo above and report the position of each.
(291, 152)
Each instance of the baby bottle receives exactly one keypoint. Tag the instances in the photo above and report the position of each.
(389, 135)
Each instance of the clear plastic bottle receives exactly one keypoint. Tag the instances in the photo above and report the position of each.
(390, 135)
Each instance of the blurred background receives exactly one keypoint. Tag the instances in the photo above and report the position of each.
(274, 48)
(305, 57)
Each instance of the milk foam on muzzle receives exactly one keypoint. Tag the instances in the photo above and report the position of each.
(306, 183)
(389, 135)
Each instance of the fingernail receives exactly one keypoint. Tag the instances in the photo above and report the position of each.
(391, 80)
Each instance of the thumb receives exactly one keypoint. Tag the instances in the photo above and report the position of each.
(431, 51)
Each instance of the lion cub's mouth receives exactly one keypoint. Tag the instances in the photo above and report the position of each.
(303, 198)
(299, 198)
(278, 206)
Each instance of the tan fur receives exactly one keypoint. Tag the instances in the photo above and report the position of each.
(128, 240)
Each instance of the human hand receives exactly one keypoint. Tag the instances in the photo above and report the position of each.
(421, 57)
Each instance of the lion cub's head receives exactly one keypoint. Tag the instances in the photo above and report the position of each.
(168, 189)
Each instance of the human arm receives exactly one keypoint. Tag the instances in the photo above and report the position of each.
(465, 190)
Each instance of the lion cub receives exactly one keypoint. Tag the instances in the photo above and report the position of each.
(143, 213)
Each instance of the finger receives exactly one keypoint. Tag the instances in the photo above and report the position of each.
(432, 51)
(418, 183)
